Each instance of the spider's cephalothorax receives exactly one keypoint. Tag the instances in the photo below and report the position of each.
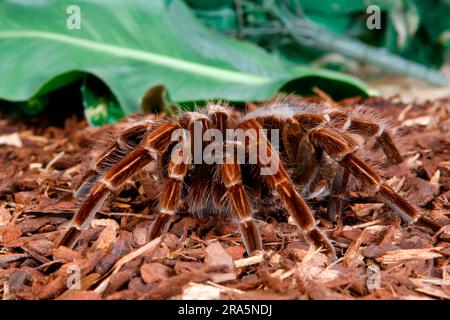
(220, 162)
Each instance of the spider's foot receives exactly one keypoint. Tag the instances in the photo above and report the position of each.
(70, 238)
(319, 239)
(251, 236)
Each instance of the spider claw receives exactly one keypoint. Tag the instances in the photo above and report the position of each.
(386, 143)
(160, 225)
(70, 238)
(403, 209)
(318, 239)
(251, 236)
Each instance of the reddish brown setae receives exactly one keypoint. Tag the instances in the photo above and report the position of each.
(317, 155)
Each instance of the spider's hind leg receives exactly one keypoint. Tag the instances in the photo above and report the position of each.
(372, 180)
(368, 128)
(338, 191)
(309, 161)
(301, 152)
(336, 146)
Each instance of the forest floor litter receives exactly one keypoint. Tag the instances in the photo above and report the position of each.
(379, 257)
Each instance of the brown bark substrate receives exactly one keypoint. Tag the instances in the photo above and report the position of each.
(380, 257)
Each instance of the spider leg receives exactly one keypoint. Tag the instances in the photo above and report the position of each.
(176, 171)
(177, 168)
(171, 195)
(386, 143)
(291, 132)
(336, 146)
(307, 163)
(368, 128)
(300, 150)
(125, 142)
(231, 177)
(338, 190)
(156, 142)
(277, 177)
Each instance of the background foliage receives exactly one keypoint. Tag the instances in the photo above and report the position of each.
(415, 29)
(135, 55)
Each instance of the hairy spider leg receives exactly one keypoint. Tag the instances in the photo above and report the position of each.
(299, 150)
(124, 144)
(307, 159)
(155, 142)
(282, 184)
(368, 128)
(177, 168)
(232, 179)
(338, 192)
(337, 147)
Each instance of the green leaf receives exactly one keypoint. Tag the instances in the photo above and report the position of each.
(330, 6)
(133, 46)
(414, 29)
(33, 106)
(100, 106)
(209, 5)
(337, 23)
(222, 20)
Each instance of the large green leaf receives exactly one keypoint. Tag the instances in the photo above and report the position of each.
(100, 107)
(132, 46)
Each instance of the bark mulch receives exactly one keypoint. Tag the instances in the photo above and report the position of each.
(379, 256)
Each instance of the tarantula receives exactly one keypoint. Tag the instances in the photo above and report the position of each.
(317, 154)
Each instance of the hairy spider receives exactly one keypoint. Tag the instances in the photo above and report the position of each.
(316, 155)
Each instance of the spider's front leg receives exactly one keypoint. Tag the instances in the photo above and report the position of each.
(177, 168)
(336, 146)
(268, 160)
(242, 209)
(179, 161)
(230, 170)
(156, 142)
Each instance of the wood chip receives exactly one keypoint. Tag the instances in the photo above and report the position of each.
(223, 277)
(10, 257)
(420, 121)
(54, 160)
(12, 139)
(249, 261)
(433, 291)
(152, 245)
(198, 291)
(108, 234)
(154, 272)
(395, 256)
(80, 295)
(218, 257)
